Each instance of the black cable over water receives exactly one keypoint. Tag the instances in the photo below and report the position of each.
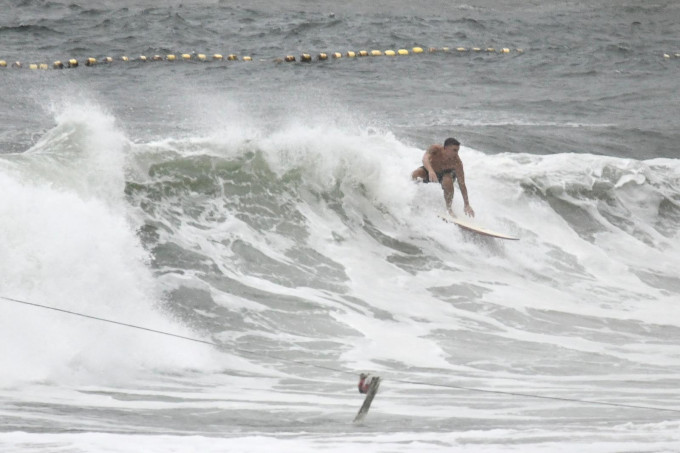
(109, 321)
(530, 395)
(337, 370)
(174, 335)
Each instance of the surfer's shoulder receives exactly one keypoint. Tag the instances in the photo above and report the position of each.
(434, 149)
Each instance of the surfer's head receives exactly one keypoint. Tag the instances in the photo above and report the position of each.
(450, 142)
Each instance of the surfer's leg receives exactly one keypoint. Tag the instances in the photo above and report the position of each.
(447, 185)
(420, 173)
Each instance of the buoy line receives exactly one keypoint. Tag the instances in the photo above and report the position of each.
(290, 58)
(217, 57)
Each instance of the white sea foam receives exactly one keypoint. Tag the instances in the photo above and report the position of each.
(67, 243)
(551, 314)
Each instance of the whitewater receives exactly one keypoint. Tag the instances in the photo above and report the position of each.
(306, 256)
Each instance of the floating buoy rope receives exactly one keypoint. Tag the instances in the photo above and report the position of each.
(217, 57)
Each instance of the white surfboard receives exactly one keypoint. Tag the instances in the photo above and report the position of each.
(469, 226)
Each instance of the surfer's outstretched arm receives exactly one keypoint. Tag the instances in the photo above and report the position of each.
(463, 188)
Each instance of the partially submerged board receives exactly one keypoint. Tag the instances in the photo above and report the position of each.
(469, 226)
(370, 394)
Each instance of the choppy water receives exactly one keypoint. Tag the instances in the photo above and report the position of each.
(266, 208)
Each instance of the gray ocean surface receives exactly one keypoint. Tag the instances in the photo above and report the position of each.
(265, 209)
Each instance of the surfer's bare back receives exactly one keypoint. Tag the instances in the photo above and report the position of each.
(442, 163)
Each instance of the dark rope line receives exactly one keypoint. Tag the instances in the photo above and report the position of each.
(531, 395)
(182, 337)
(110, 321)
(337, 370)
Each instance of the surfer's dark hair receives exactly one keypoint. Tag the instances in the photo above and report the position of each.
(451, 141)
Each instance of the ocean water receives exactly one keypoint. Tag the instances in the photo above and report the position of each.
(244, 237)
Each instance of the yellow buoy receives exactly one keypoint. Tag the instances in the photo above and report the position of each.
(232, 57)
(3, 64)
(306, 57)
(289, 58)
(417, 50)
(32, 66)
(476, 49)
(58, 65)
(107, 60)
(217, 56)
(170, 57)
(73, 63)
(432, 49)
(90, 61)
(445, 49)
(247, 58)
(124, 58)
(461, 49)
(505, 50)
(337, 55)
(490, 50)
(143, 58)
(43, 66)
(390, 53)
(402, 52)
(376, 53)
(323, 56)
(201, 57)
(351, 54)
(363, 53)
(186, 56)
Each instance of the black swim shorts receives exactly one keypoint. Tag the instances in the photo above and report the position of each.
(440, 174)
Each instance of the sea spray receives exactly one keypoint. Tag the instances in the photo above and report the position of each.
(67, 242)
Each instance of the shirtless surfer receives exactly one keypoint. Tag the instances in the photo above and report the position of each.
(442, 163)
